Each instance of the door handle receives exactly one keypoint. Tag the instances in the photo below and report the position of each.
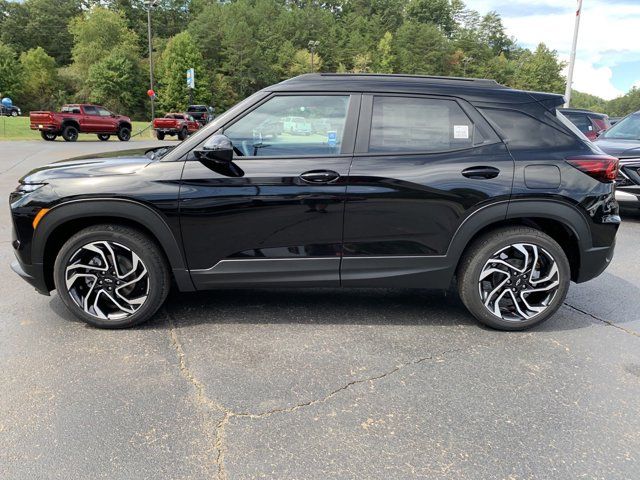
(481, 172)
(320, 176)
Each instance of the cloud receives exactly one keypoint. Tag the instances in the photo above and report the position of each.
(594, 80)
(608, 34)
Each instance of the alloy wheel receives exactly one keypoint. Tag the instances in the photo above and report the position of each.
(519, 282)
(107, 280)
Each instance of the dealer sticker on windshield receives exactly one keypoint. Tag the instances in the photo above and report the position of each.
(461, 131)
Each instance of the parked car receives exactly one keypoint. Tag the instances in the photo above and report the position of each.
(74, 119)
(180, 124)
(591, 124)
(424, 180)
(201, 113)
(623, 141)
(12, 111)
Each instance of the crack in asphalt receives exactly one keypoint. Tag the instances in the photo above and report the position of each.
(607, 322)
(201, 398)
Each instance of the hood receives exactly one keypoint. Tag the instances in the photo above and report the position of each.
(619, 147)
(108, 164)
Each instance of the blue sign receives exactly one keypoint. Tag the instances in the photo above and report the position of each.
(332, 138)
(191, 78)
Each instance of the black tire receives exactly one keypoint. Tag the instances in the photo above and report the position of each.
(14, 113)
(48, 136)
(104, 137)
(150, 256)
(160, 135)
(70, 133)
(124, 133)
(477, 258)
(183, 134)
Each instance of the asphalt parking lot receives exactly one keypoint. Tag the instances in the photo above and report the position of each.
(316, 384)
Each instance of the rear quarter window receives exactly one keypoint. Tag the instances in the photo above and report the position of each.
(524, 132)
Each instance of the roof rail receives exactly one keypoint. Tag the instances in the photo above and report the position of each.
(395, 76)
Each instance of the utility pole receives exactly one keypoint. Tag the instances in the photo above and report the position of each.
(312, 47)
(150, 4)
(572, 58)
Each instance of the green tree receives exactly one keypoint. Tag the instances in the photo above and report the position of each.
(437, 12)
(41, 23)
(421, 48)
(539, 70)
(40, 80)
(118, 83)
(97, 34)
(301, 63)
(384, 54)
(10, 72)
(180, 54)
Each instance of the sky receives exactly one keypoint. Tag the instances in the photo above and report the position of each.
(608, 54)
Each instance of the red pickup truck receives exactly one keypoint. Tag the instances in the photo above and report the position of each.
(179, 124)
(80, 118)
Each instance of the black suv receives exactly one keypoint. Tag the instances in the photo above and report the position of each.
(201, 113)
(400, 181)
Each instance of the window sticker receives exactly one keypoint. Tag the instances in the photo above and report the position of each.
(332, 138)
(461, 131)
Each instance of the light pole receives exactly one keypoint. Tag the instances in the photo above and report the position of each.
(312, 47)
(150, 4)
(572, 58)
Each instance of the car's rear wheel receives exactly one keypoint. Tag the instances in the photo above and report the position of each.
(513, 278)
(124, 133)
(104, 136)
(70, 133)
(48, 136)
(183, 134)
(160, 135)
(111, 276)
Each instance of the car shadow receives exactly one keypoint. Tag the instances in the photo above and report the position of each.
(370, 307)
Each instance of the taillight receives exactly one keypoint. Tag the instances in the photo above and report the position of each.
(601, 167)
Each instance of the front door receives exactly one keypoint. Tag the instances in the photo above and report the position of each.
(421, 166)
(274, 217)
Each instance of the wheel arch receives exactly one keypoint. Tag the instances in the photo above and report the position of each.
(64, 220)
(124, 123)
(561, 221)
(70, 123)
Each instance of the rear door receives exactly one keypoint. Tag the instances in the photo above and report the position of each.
(422, 165)
(274, 217)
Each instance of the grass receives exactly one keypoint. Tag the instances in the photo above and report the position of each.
(17, 128)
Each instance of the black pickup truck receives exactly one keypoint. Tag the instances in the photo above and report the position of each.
(201, 113)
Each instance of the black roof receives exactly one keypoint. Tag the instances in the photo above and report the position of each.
(473, 89)
(582, 110)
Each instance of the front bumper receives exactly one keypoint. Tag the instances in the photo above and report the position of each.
(32, 274)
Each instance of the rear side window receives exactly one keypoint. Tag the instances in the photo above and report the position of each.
(90, 110)
(524, 132)
(408, 124)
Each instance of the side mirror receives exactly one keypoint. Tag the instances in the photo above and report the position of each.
(217, 149)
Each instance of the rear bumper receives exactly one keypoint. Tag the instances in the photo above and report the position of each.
(594, 261)
(32, 274)
(48, 127)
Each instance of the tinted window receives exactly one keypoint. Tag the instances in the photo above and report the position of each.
(197, 109)
(403, 124)
(292, 126)
(90, 111)
(522, 131)
(103, 112)
(580, 120)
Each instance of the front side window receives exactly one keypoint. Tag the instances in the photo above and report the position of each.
(408, 124)
(292, 126)
(103, 112)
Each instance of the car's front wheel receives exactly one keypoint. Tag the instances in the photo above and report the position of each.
(111, 276)
(513, 278)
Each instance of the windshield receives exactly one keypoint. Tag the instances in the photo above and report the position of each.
(626, 129)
